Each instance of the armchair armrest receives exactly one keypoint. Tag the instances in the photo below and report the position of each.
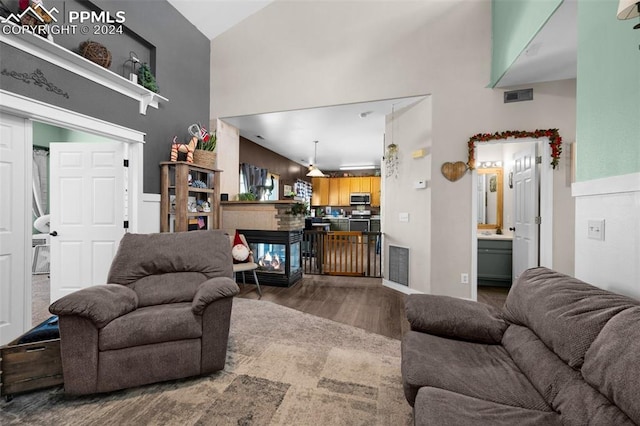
(212, 290)
(100, 304)
(458, 318)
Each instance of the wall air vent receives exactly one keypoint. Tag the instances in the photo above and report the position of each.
(399, 265)
(518, 95)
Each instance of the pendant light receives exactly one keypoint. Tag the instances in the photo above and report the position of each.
(313, 170)
(391, 158)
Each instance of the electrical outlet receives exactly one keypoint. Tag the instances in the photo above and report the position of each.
(464, 278)
(595, 229)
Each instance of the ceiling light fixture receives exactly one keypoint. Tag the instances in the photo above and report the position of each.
(313, 170)
(628, 9)
(369, 167)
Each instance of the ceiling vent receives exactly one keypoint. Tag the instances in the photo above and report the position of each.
(518, 96)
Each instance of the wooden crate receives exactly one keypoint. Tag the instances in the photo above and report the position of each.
(29, 366)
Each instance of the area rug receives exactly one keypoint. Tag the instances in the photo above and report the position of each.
(284, 367)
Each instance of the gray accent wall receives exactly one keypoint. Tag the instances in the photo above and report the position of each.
(160, 35)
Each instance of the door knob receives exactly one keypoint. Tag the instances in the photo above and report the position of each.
(54, 233)
(512, 229)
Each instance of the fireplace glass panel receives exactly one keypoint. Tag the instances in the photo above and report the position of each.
(295, 257)
(270, 258)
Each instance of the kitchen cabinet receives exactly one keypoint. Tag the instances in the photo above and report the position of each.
(339, 225)
(345, 191)
(354, 184)
(181, 204)
(374, 225)
(320, 194)
(494, 262)
(337, 191)
(365, 184)
(334, 192)
(375, 191)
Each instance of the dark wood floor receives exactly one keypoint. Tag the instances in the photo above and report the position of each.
(359, 302)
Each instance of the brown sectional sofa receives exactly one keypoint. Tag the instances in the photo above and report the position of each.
(164, 315)
(561, 352)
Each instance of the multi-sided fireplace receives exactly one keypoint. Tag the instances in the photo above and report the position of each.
(277, 254)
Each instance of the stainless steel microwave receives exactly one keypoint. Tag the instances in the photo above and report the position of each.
(360, 198)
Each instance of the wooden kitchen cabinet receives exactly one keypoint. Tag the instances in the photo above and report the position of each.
(320, 194)
(337, 191)
(375, 191)
(334, 192)
(354, 184)
(365, 184)
(345, 191)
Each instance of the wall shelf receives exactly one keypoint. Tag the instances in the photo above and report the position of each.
(64, 58)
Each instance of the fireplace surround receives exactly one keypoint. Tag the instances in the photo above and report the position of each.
(278, 255)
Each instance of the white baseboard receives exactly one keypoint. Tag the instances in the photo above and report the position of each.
(399, 287)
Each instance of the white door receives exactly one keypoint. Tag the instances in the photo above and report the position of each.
(14, 213)
(526, 234)
(87, 213)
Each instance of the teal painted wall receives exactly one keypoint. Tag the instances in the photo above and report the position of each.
(608, 92)
(514, 23)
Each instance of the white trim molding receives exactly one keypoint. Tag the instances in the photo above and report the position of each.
(609, 185)
(399, 287)
(70, 61)
(46, 113)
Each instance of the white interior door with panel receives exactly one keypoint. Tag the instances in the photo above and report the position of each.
(15, 196)
(526, 211)
(88, 210)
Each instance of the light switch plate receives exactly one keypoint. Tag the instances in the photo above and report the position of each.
(595, 229)
(403, 217)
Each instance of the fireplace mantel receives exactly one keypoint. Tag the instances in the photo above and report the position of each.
(260, 215)
(64, 58)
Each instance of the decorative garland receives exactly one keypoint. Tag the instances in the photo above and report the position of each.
(555, 141)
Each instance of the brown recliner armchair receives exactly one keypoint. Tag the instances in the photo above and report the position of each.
(164, 314)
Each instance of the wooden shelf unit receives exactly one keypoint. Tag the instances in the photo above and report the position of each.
(174, 181)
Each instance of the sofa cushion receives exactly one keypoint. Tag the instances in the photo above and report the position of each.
(560, 385)
(151, 324)
(173, 287)
(141, 255)
(566, 313)
(473, 369)
(444, 408)
(612, 363)
(452, 317)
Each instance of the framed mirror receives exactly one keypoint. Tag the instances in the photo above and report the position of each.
(490, 198)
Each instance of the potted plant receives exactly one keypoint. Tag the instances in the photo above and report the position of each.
(298, 209)
(204, 154)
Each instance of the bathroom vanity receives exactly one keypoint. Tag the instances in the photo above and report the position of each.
(494, 260)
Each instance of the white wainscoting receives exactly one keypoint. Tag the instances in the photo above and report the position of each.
(614, 263)
(149, 214)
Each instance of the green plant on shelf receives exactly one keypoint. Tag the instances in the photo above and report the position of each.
(298, 209)
(246, 196)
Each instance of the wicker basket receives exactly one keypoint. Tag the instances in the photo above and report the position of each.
(205, 158)
(96, 52)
